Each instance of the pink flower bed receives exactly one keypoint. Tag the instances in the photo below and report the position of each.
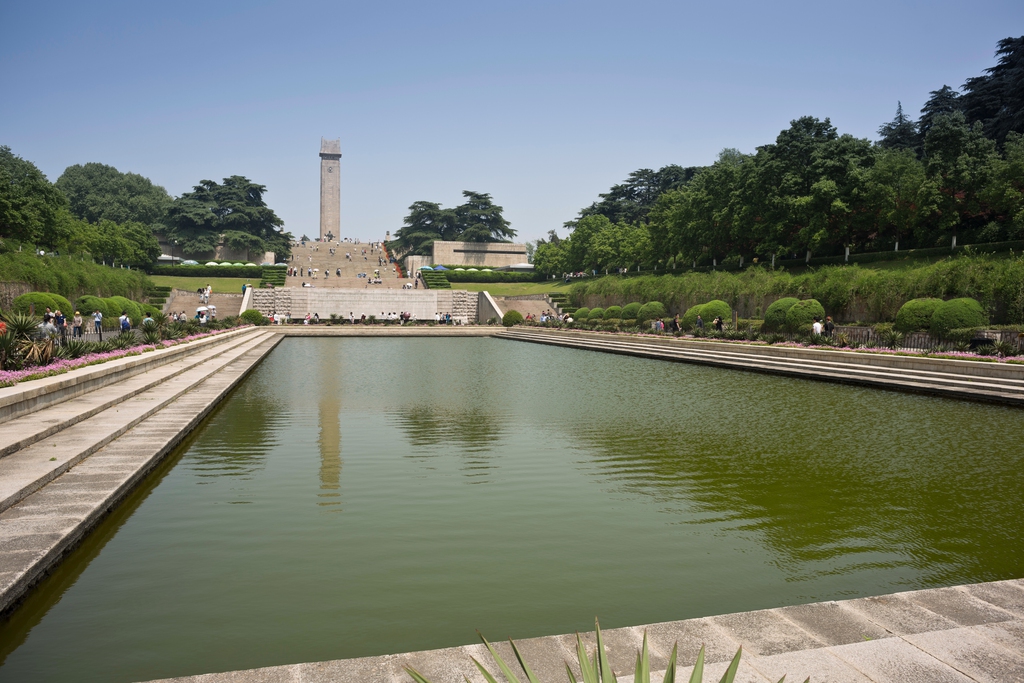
(8, 378)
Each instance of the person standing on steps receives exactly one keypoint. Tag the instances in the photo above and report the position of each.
(97, 321)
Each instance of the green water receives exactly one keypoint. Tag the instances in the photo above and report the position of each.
(364, 496)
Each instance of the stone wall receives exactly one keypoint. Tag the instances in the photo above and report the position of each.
(298, 301)
(489, 254)
(9, 291)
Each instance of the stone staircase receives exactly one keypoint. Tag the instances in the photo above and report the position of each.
(73, 445)
(317, 255)
(997, 382)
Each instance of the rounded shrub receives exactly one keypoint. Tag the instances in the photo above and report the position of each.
(595, 314)
(128, 306)
(957, 314)
(511, 318)
(581, 314)
(254, 317)
(916, 315)
(801, 315)
(613, 312)
(689, 319)
(630, 311)
(650, 311)
(41, 301)
(88, 304)
(111, 309)
(715, 309)
(775, 316)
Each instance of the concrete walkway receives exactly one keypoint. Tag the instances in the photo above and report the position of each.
(943, 635)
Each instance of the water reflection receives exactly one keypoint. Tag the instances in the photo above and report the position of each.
(239, 436)
(329, 441)
(473, 434)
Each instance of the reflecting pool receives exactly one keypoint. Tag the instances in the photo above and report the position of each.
(364, 496)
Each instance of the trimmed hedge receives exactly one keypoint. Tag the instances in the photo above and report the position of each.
(128, 306)
(801, 315)
(613, 313)
(650, 311)
(775, 316)
(511, 318)
(493, 276)
(581, 314)
(209, 271)
(689, 319)
(89, 304)
(254, 317)
(916, 315)
(630, 311)
(595, 314)
(956, 314)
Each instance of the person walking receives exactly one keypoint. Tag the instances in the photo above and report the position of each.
(700, 322)
(830, 326)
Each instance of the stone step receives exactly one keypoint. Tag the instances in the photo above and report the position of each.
(32, 467)
(23, 399)
(40, 529)
(23, 431)
(840, 369)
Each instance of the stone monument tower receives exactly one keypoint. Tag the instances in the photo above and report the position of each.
(330, 189)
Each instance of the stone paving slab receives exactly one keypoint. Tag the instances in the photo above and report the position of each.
(23, 431)
(38, 531)
(30, 468)
(849, 641)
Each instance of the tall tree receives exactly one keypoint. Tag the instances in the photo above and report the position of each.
(234, 208)
(942, 102)
(900, 133)
(632, 201)
(426, 223)
(98, 192)
(997, 98)
(480, 220)
(30, 207)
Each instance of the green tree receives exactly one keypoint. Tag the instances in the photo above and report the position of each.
(234, 208)
(942, 102)
(31, 209)
(98, 192)
(426, 222)
(996, 99)
(961, 162)
(632, 200)
(899, 192)
(479, 220)
(900, 133)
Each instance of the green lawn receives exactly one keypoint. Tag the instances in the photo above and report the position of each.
(191, 284)
(513, 288)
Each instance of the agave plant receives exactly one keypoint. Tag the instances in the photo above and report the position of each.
(892, 339)
(151, 335)
(21, 326)
(1006, 349)
(73, 348)
(962, 346)
(105, 346)
(842, 340)
(125, 340)
(10, 352)
(596, 669)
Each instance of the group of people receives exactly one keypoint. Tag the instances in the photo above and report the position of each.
(205, 293)
(55, 324)
(823, 329)
(547, 316)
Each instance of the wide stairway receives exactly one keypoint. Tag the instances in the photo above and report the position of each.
(227, 303)
(318, 256)
(998, 382)
(73, 445)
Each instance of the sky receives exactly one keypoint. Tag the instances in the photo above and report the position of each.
(544, 105)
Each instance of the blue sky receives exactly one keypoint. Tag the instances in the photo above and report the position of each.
(543, 105)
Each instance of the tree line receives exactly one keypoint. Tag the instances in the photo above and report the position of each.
(957, 173)
(477, 219)
(114, 217)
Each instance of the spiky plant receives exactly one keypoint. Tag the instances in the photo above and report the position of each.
(125, 340)
(21, 325)
(1006, 349)
(892, 339)
(75, 348)
(596, 669)
(962, 346)
(10, 352)
(151, 336)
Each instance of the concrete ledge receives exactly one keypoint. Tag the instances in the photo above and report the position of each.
(37, 532)
(27, 397)
(994, 382)
(964, 633)
(385, 330)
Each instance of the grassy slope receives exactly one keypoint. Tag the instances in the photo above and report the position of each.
(513, 288)
(191, 284)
